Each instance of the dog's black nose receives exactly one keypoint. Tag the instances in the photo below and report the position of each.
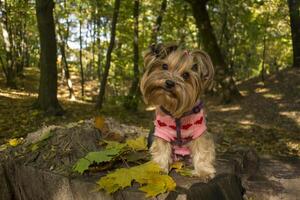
(169, 84)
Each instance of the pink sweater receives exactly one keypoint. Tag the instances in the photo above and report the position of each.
(192, 126)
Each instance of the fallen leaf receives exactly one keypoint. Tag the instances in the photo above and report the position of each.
(137, 144)
(177, 165)
(148, 175)
(99, 122)
(96, 157)
(3, 147)
(15, 141)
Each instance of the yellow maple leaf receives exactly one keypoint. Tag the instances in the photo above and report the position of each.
(181, 169)
(148, 175)
(177, 165)
(99, 122)
(15, 141)
(137, 144)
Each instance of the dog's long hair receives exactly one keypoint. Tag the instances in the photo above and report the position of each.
(175, 77)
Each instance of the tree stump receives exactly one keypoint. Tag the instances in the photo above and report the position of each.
(30, 172)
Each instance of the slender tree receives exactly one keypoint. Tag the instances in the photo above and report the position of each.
(63, 34)
(294, 9)
(182, 32)
(6, 29)
(158, 22)
(132, 98)
(47, 97)
(99, 66)
(209, 42)
(62, 46)
(108, 54)
(80, 53)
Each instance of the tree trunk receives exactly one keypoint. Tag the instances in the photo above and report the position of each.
(47, 98)
(9, 68)
(132, 98)
(182, 32)
(66, 70)
(93, 45)
(108, 54)
(263, 68)
(207, 38)
(294, 8)
(159, 19)
(99, 66)
(63, 44)
(80, 55)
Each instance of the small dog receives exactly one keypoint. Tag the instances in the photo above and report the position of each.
(173, 81)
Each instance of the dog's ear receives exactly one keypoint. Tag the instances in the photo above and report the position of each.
(204, 66)
(158, 51)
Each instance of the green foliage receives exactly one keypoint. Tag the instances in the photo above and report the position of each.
(112, 152)
(240, 28)
(97, 158)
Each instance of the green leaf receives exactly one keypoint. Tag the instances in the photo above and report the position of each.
(81, 165)
(96, 157)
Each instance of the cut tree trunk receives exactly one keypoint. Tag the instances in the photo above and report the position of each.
(108, 55)
(47, 98)
(294, 8)
(46, 172)
(223, 77)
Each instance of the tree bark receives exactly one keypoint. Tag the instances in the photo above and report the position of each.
(263, 68)
(66, 71)
(159, 19)
(99, 66)
(80, 55)
(294, 8)
(223, 77)
(63, 44)
(108, 54)
(9, 68)
(182, 32)
(47, 98)
(132, 98)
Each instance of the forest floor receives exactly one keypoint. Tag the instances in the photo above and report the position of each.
(266, 118)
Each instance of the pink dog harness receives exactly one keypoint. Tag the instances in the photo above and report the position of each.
(180, 131)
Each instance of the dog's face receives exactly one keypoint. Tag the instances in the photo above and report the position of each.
(175, 78)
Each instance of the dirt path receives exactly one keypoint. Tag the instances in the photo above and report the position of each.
(266, 118)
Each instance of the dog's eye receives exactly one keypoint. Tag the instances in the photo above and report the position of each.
(185, 75)
(165, 67)
(195, 67)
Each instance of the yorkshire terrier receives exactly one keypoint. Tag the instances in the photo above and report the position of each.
(173, 82)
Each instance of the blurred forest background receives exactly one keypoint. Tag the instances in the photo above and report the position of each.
(62, 58)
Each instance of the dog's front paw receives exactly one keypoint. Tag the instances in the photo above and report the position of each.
(164, 166)
(204, 175)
